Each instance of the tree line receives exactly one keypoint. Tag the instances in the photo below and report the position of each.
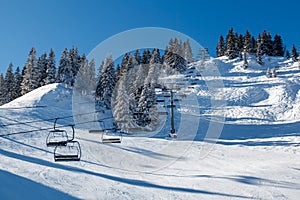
(43, 70)
(235, 44)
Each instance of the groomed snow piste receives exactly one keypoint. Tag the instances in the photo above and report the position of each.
(257, 155)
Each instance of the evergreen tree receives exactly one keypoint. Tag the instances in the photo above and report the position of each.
(75, 60)
(8, 85)
(28, 82)
(118, 72)
(231, 50)
(121, 112)
(85, 80)
(146, 56)
(270, 45)
(278, 46)
(221, 47)
(137, 57)
(294, 53)
(247, 42)
(239, 43)
(253, 46)
(106, 83)
(173, 56)
(143, 117)
(125, 62)
(64, 72)
(258, 50)
(188, 54)
(154, 68)
(147, 96)
(90, 73)
(50, 68)
(266, 43)
(41, 70)
(17, 84)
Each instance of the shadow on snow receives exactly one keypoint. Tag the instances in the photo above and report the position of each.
(128, 181)
(17, 187)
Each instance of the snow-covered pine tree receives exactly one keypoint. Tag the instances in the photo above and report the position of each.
(258, 50)
(138, 57)
(131, 74)
(41, 70)
(154, 68)
(172, 58)
(85, 81)
(231, 50)
(118, 72)
(106, 83)
(125, 61)
(278, 49)
(240, 43)
(139, 82)
(247, 42)
(64, 72)
(28, 82)
(294, 53)
(131, 63)
(266, 43)
(51, 68)
(147, 97)
(90, 74)
(8, 85)
(146, 56)
(278, 46)
(270, 45)
(75, 60)
(17, 84)
(221, 47)
(253, 45)
(188, 54)
(143, 105)
(121, 112)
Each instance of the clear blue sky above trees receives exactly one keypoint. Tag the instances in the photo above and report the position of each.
(65, 23)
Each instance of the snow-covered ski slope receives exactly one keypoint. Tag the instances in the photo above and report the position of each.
(257, 155)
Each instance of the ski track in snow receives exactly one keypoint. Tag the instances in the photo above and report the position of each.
(256, 157)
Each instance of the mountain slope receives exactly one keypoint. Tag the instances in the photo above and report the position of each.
(257, 156)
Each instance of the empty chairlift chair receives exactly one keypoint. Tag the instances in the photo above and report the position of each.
(57, 137)
(111, 136)
(70, 152)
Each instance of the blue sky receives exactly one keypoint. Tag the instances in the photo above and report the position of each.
(66, 23)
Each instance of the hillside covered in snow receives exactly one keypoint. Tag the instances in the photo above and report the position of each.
(257, 155)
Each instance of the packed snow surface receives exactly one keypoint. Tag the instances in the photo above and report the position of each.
(257, 155)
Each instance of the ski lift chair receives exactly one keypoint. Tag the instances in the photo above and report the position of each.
(111, 136)
(58, 137)
(70, 152)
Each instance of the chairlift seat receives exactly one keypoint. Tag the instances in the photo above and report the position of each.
(67, 158)
(57, 137)
(96, 131)
(108, 137)
(70, 152)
